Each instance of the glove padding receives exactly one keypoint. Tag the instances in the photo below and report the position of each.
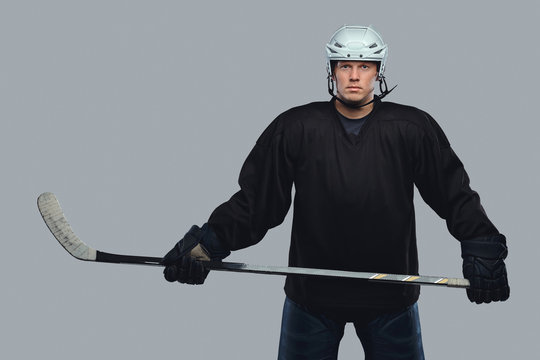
(483, 266)
(187, 271)
(184, 262)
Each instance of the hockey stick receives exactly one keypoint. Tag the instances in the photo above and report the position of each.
(57, 223)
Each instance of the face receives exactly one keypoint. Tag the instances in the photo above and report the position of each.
(355, 80)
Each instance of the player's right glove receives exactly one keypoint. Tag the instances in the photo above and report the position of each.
(184, 263)
(483, 266)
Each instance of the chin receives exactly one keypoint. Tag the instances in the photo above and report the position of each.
(355, 100)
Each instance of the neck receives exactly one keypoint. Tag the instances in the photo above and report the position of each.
(351, 112)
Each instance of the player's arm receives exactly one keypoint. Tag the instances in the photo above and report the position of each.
(444, 185)
(261, 203)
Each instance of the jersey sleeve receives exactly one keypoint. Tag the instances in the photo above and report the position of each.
(443, 183)
(264, 197)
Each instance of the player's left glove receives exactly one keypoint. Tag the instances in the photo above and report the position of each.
(483, 266)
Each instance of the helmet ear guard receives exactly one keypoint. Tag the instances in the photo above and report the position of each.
(330, 85)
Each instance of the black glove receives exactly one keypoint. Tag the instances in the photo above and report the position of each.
(483, 266)
(184, 262)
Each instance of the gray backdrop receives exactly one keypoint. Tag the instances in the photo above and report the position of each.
(139, 114)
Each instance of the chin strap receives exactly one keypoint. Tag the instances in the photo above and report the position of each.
(382, 81)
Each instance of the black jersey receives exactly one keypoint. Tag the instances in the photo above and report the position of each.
(353, 204)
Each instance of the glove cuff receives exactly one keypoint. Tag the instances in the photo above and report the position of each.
(490, 247)
(215, 248)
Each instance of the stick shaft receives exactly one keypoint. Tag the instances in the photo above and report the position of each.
(375, 277)
(288, 270)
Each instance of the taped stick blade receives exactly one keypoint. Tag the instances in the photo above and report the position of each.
(54, 218)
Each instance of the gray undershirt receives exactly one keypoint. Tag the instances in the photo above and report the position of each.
(352, 126)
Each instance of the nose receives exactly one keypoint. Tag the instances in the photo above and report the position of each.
(354, 74)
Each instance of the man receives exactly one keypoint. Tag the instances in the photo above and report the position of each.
(354, 162)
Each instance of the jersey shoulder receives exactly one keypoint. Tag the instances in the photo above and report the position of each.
(391, 111)
(308, 111)
(292, 122)
(314, 114)
(414, 119)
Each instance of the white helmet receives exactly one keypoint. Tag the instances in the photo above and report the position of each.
(356, 43)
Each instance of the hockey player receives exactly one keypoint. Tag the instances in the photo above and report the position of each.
(354, 161)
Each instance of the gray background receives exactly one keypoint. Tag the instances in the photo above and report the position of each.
(138, 115)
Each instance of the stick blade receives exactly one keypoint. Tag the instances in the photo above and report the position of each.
(52, 214)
